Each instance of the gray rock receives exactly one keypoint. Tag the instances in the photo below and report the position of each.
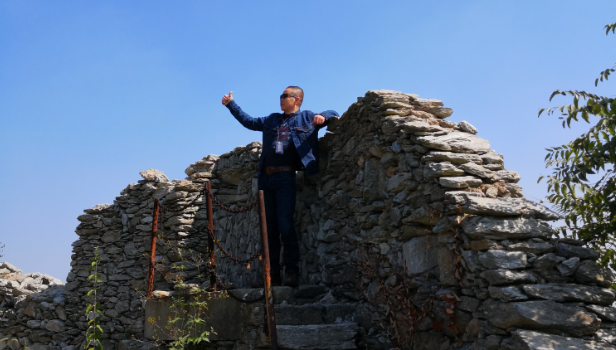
(605, 313)
(504, 277)
(547, 261)
(531, 247)
(529, 340)
(480, 227)
(510, 293)
(454, 158)
(543, 315)
(570, 251)
(418, 257)
(492, 158)
(507, 207)
(571, 292)
(591, 273)
(325, 336)
(569, 266)
(467, 127)
(432, 170)
(500, 259)
(509, 176)
(460, 182)
(456, 141)
(154, 175)
(478, 170)
(55, 326)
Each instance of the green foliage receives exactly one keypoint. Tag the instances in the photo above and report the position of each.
(1, 246)
(588, 206)
(93, 312)
(186, 322)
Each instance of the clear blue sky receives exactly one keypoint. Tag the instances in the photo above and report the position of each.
(93, 92)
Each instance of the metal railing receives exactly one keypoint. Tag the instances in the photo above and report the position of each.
(213, 243)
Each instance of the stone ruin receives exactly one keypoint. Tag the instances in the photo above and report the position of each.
(413, 235)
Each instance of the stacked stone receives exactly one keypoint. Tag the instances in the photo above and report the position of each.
(401, 180)
(32, 311)
(234, 184)
(432, 206)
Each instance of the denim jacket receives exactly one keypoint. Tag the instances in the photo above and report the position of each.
(304, 134)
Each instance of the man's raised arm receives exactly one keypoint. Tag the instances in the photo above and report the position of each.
(323, 118)
(247, 121)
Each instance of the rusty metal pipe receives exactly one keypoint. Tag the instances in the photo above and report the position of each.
(150, 290)
(210, 241)
(269, 296)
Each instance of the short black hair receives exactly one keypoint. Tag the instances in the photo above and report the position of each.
(299, 92)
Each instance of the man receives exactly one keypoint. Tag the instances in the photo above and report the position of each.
(290, 143)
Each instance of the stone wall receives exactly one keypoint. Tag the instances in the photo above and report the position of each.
(406, 200)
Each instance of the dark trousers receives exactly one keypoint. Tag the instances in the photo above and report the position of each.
(279, 195)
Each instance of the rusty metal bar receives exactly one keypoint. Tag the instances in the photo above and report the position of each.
(269, 296)
(210, 241)
(150, 290)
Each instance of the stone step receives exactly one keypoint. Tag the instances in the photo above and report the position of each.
(304, 294)
(337, 336)
(308, 314)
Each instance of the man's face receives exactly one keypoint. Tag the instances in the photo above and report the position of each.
(287, 104)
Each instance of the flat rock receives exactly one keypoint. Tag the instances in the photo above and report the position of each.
(529, 340)
(322, 337)
(510, 293)
(432, 170)
(500, 259)
(543, 315)
(604, 312)
(478, 170)
(480, 227)
(570, 251)
(591, 273)
(454, 158)
(460, 182)
(531, 247)
(507, 207)
(504, 277)
(154, 175)
(565, 292)
(456, 141)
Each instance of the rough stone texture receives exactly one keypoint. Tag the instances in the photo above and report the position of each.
(500, 259)
(543, 315)
(591, 273)
(431, 207)
(325, 337)
(529, 340)
(571, 292)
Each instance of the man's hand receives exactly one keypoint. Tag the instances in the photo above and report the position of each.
(227, 98)
(318, 120)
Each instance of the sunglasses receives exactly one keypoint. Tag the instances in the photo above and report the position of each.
(283, 96)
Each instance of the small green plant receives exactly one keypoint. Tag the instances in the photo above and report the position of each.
(186, 321)
(94, 331)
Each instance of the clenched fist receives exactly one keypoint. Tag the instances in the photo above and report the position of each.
(227, 98)
(318, 120)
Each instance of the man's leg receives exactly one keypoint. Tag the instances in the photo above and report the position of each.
(285, 202)
(273, 234)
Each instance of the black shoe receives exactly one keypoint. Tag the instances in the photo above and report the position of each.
(291, 279)
(275, 280)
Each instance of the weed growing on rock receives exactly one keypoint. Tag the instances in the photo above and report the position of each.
(93, 312)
